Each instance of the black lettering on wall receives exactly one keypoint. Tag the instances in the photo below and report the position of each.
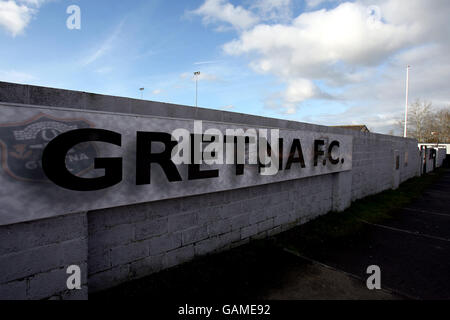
(280, 154)
(54, 160)
(318, 152)
(145, 157)
(269, 153)
(239, 166)
(194, 171)
(296, 147)
(330, 150)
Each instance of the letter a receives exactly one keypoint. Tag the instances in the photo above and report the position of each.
(74, 20)
(74, 281)
(374, 281)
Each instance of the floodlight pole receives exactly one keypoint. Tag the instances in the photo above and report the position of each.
(196, 74)
(142, 93)
(406, 102)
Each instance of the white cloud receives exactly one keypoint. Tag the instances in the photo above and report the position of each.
(299, 90)
(203, 76)
(227, 15)
(316, 3)
(221, 11)
(273, 10)
(317, 40)
(15, 15)
(156, 91)
(345, 53)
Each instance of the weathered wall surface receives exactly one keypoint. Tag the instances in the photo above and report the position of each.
(133, 241)
(445, 146)
(34, 257)
(116, 244)
(432, 158)
(374, 163)
(440, 157)
(27, 130)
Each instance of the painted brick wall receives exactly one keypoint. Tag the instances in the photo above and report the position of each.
(134, 241)
(440, 157)
(374, 162)
(122, 243)
(34, 257)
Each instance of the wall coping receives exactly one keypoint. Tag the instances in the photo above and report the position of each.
(69, 99)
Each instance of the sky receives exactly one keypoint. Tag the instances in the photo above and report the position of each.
(327, 62)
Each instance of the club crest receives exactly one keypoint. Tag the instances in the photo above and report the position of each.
(22, 145)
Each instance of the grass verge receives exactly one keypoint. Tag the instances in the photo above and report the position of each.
(374, 209)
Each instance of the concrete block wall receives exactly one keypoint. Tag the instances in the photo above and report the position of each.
(134, 241)
(162, 234)
(374, 162)
(427, 153)
(118, 244)
(34, 257)
(445, 146)
(429, 163)
(440, 157)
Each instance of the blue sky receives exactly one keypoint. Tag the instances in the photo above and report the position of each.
(150, 44)
(259, 57)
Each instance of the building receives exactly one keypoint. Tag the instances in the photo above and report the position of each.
(357, 127)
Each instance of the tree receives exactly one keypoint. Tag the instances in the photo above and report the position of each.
(440, 126)
(419, 120)
(426, 124)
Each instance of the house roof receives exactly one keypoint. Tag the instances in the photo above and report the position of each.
(359, 127)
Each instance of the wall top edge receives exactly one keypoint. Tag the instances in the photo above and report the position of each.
(70, 99)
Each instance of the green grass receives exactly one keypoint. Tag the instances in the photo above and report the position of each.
(373, 209)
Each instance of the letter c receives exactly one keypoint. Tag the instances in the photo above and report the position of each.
(330, 151)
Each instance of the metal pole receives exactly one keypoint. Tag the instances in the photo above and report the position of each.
(196, 74)
(406, 103)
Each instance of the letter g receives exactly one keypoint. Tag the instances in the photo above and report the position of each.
(54, 160)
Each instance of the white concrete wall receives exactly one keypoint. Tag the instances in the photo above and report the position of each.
(440, 156)
(446, 146)
(122, 243)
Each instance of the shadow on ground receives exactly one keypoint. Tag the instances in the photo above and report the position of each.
(405, 232)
